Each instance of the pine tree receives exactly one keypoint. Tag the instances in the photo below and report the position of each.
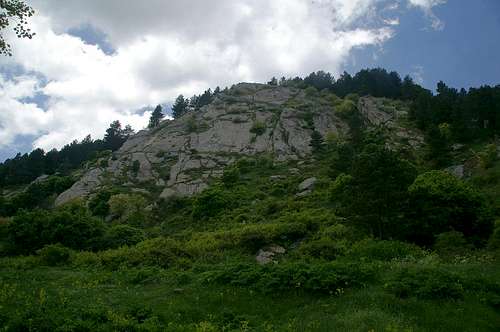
(156, 117)
(180, 106)
(317, 142)
(273, 81)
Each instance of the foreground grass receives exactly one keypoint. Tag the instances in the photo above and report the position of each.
(36, 298)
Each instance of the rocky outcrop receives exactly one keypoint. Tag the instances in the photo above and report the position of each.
(87, 184)
(181, 157)
(267, 255)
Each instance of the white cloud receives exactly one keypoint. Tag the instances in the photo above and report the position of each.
(426, 6)
(392, 21)
(418, 74)
(164, 48)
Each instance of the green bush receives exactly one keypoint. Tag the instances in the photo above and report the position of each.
(54, 254)
(71, 225)
(191, 125)
(258, 128)
(122, 235)
(136, 166)
(488, 156)
(441, 202)
(98, 203)
(347, 109)
(311, 91)
(37, 194)
(354, 97)
(371, 249)
(209, 203)
(426, 283)
(231, 176)
(450, 243)
(326, 278)
(160, 252)
(494, 242)
(325, 248)
(129, 209)
(248, 237)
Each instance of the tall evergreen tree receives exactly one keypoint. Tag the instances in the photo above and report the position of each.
(317, 142)
(114, 137)
(156, 117)
(180, 106)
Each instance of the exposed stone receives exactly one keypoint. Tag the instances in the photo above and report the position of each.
(168, 192)
(41, 178)
(307, 184)
(88, 183)
(140, 191)
(303, 193)
(457, 170)
(190, 157)
(277, 177)
(266, 255)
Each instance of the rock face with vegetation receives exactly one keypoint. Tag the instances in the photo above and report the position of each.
(181, 157)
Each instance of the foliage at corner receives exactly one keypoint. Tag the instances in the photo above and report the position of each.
(440, 202)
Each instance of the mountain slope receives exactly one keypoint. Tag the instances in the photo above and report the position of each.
(181, 157)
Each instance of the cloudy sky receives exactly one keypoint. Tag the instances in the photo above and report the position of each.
(95, 61)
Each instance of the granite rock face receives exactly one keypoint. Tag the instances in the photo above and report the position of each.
(180, 157)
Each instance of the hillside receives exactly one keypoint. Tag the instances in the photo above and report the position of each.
(184, 156)
(270, 208)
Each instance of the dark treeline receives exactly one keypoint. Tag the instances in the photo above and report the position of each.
(23, 169)
(183, 105)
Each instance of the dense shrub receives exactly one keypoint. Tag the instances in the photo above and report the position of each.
(249, 237)
(374, 194)
(440, 202)
(311, 91)
(323, 248)
(210, 203)
(488, 156)
(371, 249)
(54, 254)
(122, 235)
(231, 176)
(160, 252)
(494, 242)
(98, 204)
(258, 128)
(37, 194)
(426, 283)
(346, 109)
(129, 209)
(326, 278)
(72, 226)
(450, 243)
(136, 166)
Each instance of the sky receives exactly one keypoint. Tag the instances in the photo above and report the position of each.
(94, 61)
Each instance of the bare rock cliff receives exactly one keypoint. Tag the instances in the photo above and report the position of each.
(181, 156)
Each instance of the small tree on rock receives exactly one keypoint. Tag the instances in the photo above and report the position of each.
(156, 117)
(180, 106)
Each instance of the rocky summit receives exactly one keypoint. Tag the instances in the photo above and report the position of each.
(182, 156)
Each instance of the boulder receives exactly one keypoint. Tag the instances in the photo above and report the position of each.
(87, 184)
(307, 184)
(266, 255)
(303, 193)
(457, 170)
